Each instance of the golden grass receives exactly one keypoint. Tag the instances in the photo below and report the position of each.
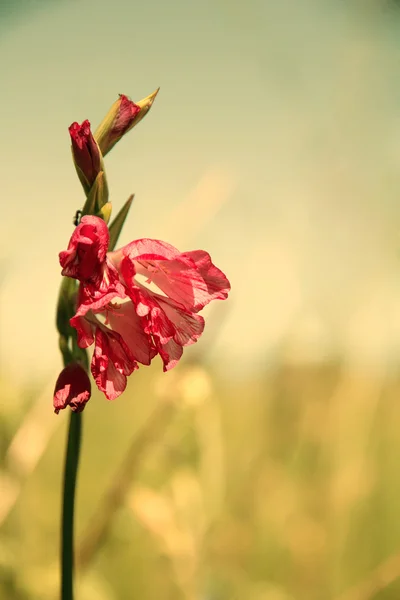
(284, 486)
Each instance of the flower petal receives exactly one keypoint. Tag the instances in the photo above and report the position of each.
(84, 329)
(131, 327)
(111, 363)
(170, 353)
(86, 251)
(188, 326)
(216, 281)
(189, 278)
(171, 327)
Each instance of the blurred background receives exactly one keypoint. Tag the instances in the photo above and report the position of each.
(265, 466)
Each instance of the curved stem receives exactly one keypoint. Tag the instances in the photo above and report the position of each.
(67, 527)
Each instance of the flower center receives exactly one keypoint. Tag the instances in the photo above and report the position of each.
(111, 308)
(145, 281)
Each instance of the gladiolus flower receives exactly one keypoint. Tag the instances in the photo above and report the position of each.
(72, 389)
(119, 311)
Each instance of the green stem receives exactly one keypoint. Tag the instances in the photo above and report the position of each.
(67, 527)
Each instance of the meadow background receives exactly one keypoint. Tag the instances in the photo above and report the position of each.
(266, 465)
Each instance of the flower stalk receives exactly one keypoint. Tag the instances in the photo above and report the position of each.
(68, 508)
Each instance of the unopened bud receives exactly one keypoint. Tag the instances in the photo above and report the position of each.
(72, 389)
(122, 116)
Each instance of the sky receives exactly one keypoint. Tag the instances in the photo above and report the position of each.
(274, 144)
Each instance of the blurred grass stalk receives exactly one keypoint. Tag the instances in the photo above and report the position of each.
(378, 580)
(26, 448)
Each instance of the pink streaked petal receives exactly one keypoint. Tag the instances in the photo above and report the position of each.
(170, 353)
(189, 278)
(96, 301)
(178, 279)
(159, 325)
(147, 247)
(216, 281)
(108, 379)
(138, 294)
(87, 250)
(84, 330)
(107, 282)
(131, 327)
(171, 327)
(112, 362)
(188, 326)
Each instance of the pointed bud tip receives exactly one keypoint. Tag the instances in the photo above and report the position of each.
(148, 101)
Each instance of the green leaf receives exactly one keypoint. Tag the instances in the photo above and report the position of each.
(116, 226)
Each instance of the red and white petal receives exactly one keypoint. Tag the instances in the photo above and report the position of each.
(188, 326)
(84, 329)
(148, 249)
(189, 278)
(87, 249)
(111, 363)
(125, 321)
(173, 327)
(170, 353)
(216, 281)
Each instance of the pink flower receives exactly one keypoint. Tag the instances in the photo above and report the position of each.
(72, 389)
(119, 311)
(85, 152)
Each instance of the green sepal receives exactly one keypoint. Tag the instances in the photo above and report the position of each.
(82, 177)
(116, 226)
(145, 105)
(97, 197)
(66, 306)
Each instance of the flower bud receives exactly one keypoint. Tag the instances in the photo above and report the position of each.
(122, 116)
(86, 154)
(72, 389)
